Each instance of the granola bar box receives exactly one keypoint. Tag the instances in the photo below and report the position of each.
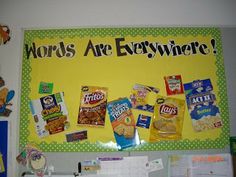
(123, 123)
(50, 114)
(202, 105)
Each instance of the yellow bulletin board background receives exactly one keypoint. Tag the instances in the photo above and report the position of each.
(119, 74)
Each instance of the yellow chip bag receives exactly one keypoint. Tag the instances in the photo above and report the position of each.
(168, 119)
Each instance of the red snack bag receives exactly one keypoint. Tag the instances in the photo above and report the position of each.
(174, 85)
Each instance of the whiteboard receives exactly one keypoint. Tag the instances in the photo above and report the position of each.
(68, 175)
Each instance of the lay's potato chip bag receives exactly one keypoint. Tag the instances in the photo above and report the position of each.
(168, 119)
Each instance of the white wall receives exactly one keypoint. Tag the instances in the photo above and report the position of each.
(18, 14)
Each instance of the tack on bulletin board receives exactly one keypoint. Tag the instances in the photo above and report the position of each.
(73, 69)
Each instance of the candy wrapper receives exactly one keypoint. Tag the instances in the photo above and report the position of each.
(174, 85)
(168, 119)
(123, 123)
(143, 121)
(143, 97)
(77, 136)
(93, 102)
(202, 105)
(45, 88)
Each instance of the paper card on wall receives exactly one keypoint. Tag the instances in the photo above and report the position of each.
(154, 165)
(134, 166)
(45, 88)
(102, 175)
(200, 165)
(72, 175)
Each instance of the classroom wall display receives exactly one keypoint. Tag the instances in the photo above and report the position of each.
(164, 87)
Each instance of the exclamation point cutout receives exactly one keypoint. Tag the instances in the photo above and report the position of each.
(213, 43)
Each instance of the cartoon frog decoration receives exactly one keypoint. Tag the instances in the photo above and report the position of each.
(37, 163)
(6, 96)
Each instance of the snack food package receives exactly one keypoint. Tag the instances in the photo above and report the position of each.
(143, 121)
(174, 85)
(93, 102)
(45, 88)
(202, 105)
(168, 119)
(123, 123)
(143, 97)
(76, 136)
(50, 114)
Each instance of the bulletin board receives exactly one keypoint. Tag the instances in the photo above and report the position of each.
(3, 148)
(118, 58)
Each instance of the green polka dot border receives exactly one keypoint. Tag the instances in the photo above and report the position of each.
(221, 142)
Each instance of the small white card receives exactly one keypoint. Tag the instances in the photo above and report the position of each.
(154, 165)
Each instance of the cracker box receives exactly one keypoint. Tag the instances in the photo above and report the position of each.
(202, 105)
(123, 123)
(50, 114)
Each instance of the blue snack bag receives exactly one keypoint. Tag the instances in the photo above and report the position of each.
(123, 123)
(202, 105)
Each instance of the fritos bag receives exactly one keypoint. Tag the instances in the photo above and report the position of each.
(93, 102)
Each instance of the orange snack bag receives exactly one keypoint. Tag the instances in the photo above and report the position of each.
(93, 104)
